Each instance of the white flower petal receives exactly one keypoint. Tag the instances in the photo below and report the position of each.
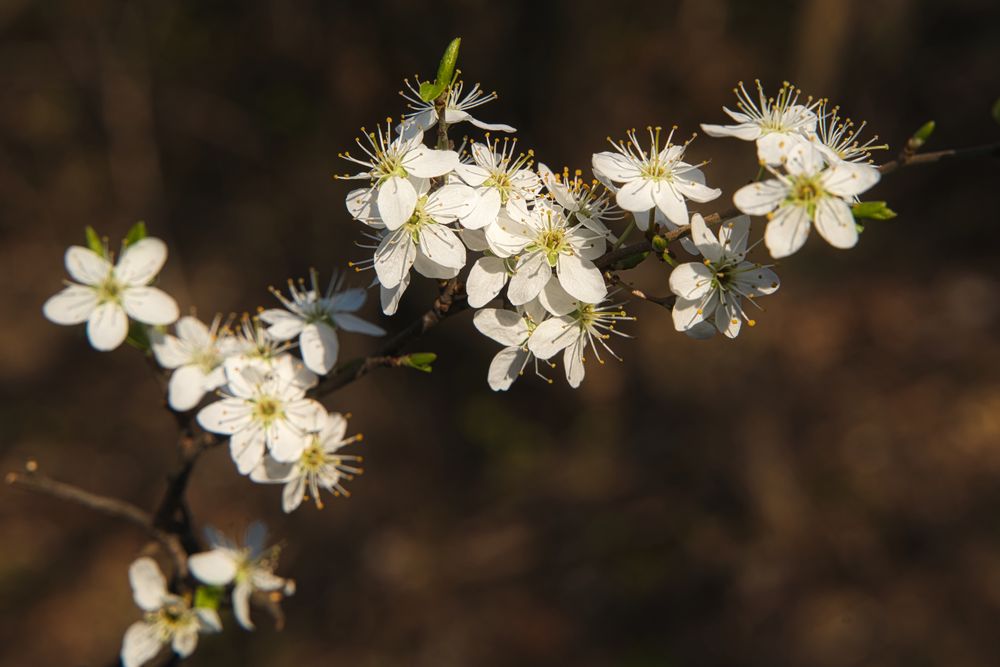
(107, 326)
(215, 568)
(804, 159)
(671, 203)
(486, 278)
(580, 278)
(185, 641)
(354, 324)
(247, 449)
(707, 243)
(149, 586)
(319, 346)
(283, 325)
(140, 644)
(506, 367)
(787, 231)
(86, 266)
(555, 300)
(270, 471)
(451, 202)
(614, 166)
(760, 198)
(552, 336)
(636, 196)
(433, 270)
(484, 211)
(531, 274)
(241, 605)
(397, 199)
(691, 280)
(226, 417)
(728, 319)
(849, 179)
(744, 131)
(441, 245)
(424, 162)
(359, 205)
(835, 222)
(292, 494)
(193, 331)
(141, 261)
(389, 297)
(489, 127)
(776, 148)
(394, 258)
(150, 305)
(734, 234)
(573, 361)
(506, 327)
(73, 305)
(186, 387)
(694, 190)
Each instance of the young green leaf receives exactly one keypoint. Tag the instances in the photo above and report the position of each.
(420, 361)
(136, 233)
(872, 210)
(446, 68)
(94, 241)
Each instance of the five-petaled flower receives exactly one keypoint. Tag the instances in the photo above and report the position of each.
(108, 295)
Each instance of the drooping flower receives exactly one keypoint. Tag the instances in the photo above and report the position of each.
(195, 355)
(248, 567)
(107, 296)
(713, 291)
(314, 317)
(574, 327)
(168, 619)
(456, 109)
(777, 124)
(263, 408)
(657, 179)
(513, 330)
(320, 466)
(812, 192)
(544, 241)
(500, 177)
(391, 164)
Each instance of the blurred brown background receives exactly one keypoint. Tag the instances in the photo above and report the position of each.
(823, 491)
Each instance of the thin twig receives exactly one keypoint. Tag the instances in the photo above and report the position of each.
(664, 301)
(907, 159)
(32, 480)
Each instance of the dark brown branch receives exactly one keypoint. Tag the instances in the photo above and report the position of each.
(910, 158)
(664, 301)
(32, 480)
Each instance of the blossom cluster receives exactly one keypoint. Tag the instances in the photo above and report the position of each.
(174, 620)
(539, 252)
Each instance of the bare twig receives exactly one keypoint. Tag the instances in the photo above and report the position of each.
(910, 158)
(32, 480)
(665, 301)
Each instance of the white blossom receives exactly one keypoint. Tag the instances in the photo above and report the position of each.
(195, 355)
(320, 466)
(837, 138)
(456, 109)
(248, 567)
(513, 330)
(168, 619)
(544, 241)
(487, 278)
(500, 177)
(574, 327)
(106, 296)
(425, 241)
(811, 192)
(657, 179)
(713, 291)
(315, 317)
(777, 124)
(263, 408)
(591, 203)
(392, 164)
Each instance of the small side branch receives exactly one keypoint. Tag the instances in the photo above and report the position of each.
(32, 480)
(910, 158)
(664, 301)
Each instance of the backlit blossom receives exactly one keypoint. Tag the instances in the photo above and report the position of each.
(108, 295)
(655, 179)
(168, 620)
(714, 290)
(513, 330)
(456, 109)
(811, 192)
(314, 317)
(195, 355)
(321, 466)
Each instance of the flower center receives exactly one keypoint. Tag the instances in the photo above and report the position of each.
(553, 243)
(501, 181)
(655, 170)
(110, 290)
(418, 219)
(266, 409)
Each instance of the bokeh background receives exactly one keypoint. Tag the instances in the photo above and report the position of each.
(823, 491)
